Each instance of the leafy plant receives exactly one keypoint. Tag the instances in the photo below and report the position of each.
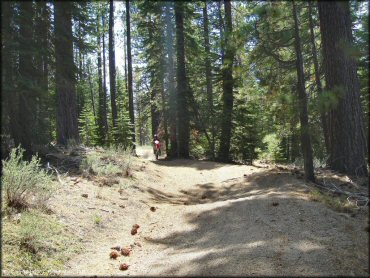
(25, 182)
(97, 219)
(273, 150)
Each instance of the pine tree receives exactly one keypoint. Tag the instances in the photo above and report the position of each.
(348, 146)
(67, 126)
(182, 85)
(129, 72)
(227, 97)
(302, 103)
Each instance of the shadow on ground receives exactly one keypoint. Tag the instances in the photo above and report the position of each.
(260, 225)
(190, 163)
(270, 182)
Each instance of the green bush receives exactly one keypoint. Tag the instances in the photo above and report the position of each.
(25, 183)
(115, 160)
(273, 151)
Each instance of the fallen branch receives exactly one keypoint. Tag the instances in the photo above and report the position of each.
(99, 209)
(357, 196)
(56, 171)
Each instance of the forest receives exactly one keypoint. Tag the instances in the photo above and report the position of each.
(185, 138)
(235, 81)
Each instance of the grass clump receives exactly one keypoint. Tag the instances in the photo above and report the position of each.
(97, 219)
(25, 183)
(113, 161)
(339, 204)
(36, 245)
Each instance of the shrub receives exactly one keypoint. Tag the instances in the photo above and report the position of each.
(36, 245)
(115, 160)
(273, 150)
(25, 182)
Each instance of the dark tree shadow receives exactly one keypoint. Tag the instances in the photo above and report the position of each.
(190, 163)
(257, 226)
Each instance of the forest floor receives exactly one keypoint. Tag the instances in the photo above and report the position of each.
(210, 219)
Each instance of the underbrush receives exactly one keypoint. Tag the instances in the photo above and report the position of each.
(337, 203)
(35, 243)
(24, 183)
(113, 161)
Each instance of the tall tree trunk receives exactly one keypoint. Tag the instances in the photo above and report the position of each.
(124, 51)
(41, 31)
(227, 85)
(10, 124)
(129, 72)
(154, 113)
(317, 76)
(164, 109)
(27, 93)
(112, 64)
(222, 28)
(102, 111)
(209, 78)
(104, 72)
(67, 128)
(182, 85)
(173, 151)
(348, 145)
(302, 103)
(91, 89)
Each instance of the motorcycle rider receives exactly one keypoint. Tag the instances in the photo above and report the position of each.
(156, 142)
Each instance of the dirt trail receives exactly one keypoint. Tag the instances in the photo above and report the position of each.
(211, 219)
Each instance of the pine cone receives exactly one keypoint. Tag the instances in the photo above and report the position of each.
(134, 231)
(125, 252)
(114, 254)
(135, 226)
(123, 266)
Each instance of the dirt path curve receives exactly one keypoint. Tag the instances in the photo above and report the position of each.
(220, 219)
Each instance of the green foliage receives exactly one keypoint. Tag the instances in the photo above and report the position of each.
(339, 204)
(97, 219)
(272, 150)
(95, 165)
(36, 244)
(114, 161)
(247, 122)
(25, 183)
(88, 127)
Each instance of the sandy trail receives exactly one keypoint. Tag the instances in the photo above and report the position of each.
(213, 220)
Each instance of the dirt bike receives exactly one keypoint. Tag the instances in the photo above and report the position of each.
(157, 149)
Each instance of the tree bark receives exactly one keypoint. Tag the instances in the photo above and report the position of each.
(102, 111)
(129, 74)
(112, 65)
(302, 103)
(104, 73)
(173, 151)
(227, 85)
(222, 28)
(348, 144)
(91, 90)
(27, 93)
(67, 128)
(41, 31)
(323, 117)
(9, 111)
(182, 86)
(209, 78)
